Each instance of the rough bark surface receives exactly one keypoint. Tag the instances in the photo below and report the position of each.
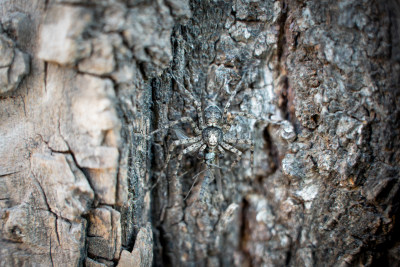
(83, 83)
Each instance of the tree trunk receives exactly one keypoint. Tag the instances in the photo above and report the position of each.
(83, 181)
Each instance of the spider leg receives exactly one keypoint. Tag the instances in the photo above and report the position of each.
(234, 141)
(178, 143)
(243, 114)
(172, 147)
(221, 150)
(196, 103)
(234, 150)
(231, 117)
(174, 183)
(228, 103)
(195, 178)
(181, 120)
(189, 149)
(202, 148)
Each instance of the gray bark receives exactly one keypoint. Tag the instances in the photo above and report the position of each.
(83, 83)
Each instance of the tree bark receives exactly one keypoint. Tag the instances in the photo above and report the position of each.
(83, 84)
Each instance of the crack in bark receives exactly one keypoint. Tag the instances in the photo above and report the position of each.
(44, 195)
(45, 70)
(51, 256)
(8, 173)
(56, 228)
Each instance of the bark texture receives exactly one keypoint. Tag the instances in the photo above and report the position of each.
(82, 83)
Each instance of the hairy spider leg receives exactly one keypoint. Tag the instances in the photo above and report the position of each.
(242, 114)
(221, 150)
(202, 148)
(181, 120)
(234, 141)
(196, 103)
(228, 103)
(177, 197)
(199, 111)
(178, 143)
(234, 150)
(171, 148)
(231, 117)
(195, 178)
(189, 149)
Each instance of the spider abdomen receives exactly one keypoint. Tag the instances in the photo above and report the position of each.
(212, 136)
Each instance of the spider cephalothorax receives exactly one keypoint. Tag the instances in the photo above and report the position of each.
(212, 136)
(212, 115)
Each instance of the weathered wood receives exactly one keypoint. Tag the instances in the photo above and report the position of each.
(83, 83)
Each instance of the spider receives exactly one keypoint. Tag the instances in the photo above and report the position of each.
(210, 140)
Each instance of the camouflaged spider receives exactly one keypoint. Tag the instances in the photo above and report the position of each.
(210, 140)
